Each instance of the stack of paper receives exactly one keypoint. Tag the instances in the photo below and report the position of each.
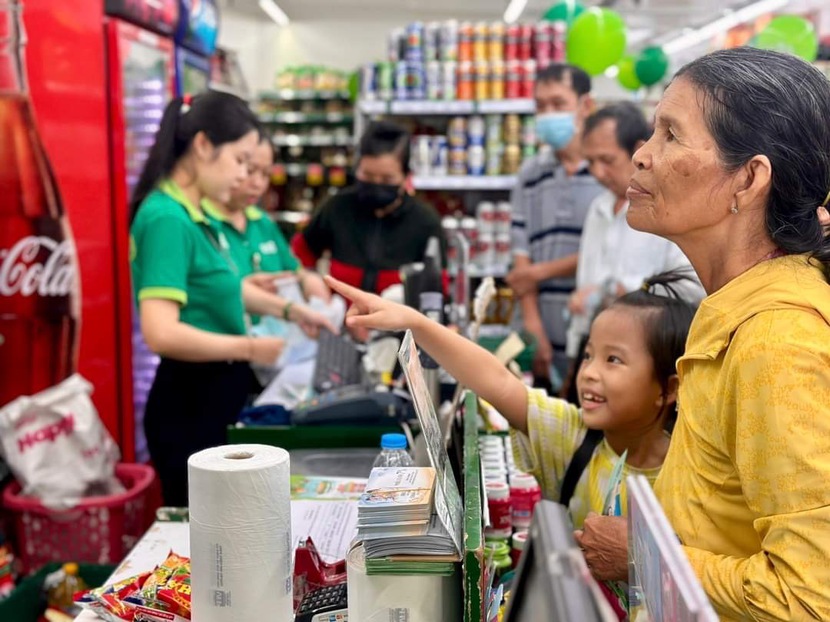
(397, 497)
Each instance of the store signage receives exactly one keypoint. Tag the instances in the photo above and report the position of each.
(159, 15)
(198, 25)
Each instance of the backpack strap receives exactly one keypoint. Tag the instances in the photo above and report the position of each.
(577, 465)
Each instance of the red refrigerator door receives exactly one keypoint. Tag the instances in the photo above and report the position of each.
(141, 81)
(56, 110)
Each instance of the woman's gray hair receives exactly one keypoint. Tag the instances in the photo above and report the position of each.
(758, 102)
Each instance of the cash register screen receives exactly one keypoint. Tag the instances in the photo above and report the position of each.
(550, 583)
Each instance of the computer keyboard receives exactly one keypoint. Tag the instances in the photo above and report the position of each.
(339, 363)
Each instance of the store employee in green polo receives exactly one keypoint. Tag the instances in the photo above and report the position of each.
(191, 297)
(256, 244)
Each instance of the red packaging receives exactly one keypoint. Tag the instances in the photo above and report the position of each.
(525, 493)
(543, 41)
(560, 30)
(511, 42)
(513, 80)
(498, 503)
(525, 42)
(466, 84)
(527, 79)
(465, 41)
(518, 545)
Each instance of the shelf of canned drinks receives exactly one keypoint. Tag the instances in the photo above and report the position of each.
(289, 94)
(296, 140)
(457, 107)
(300, 118)
(464, 182)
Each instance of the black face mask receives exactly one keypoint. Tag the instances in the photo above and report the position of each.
(376, 196)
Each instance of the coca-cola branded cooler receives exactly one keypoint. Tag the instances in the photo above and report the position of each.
(58, 303)
(141, 80)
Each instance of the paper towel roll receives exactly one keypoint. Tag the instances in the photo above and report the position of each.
(414, 598)
(240, 534)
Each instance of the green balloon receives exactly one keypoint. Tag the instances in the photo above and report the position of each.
(790, 34)
(596, 40)
(627, 77)
(566, 11)
(652, 65)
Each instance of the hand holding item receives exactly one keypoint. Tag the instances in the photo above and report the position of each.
(311, 321)
(265, 350)
(523, 280)
(604, 542)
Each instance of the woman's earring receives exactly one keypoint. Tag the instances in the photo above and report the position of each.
(734, 209)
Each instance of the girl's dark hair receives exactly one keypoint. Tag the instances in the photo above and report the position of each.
(666, 319)
(224, 118)
(757, 102)
(384, 138)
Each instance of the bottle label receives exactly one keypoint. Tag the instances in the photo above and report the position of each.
(20, 273)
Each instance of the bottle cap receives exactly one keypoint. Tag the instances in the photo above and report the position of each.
(519, 540)
(499, 548)
(523, 481)
(70, 569)
(497, 491)
(393, 441)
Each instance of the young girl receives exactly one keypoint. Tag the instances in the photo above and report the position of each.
(627, 385)
(257, 246)
(191, 297)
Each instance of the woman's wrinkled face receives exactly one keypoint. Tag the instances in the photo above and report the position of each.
(680, 188)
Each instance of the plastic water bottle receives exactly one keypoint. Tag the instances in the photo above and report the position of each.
(393, 452)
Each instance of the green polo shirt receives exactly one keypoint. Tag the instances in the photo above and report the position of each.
(177, 253)
(260, 248)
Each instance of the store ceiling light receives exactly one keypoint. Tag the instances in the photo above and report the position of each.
(514, 10)
(722, 24)
(273, 10)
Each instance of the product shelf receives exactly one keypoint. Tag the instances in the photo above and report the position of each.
(297, 140)
(450, 107)
(291, 95)
(464, 182)
(301, 118)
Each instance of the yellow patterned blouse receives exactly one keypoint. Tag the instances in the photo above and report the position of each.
(746, 483)
(555, 432)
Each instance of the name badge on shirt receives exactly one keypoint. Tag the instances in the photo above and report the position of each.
(268, 248)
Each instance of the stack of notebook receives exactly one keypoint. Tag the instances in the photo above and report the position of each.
(396, 515)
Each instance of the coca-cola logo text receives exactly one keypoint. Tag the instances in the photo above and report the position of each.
(47, 433)
(20, 273)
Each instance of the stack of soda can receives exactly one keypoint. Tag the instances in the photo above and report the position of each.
(493, 245)
(464, 61)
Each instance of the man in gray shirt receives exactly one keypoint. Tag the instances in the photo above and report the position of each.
(550, 202)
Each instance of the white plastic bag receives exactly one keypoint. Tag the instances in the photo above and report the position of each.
(57, 447)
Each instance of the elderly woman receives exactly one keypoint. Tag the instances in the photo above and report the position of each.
(738, 175)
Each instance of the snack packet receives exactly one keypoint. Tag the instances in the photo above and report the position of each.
(110, 602)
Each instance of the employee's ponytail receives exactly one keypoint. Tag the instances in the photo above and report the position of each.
(223, 118)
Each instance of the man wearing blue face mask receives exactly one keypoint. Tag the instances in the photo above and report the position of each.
(550, 202)
(376, 226)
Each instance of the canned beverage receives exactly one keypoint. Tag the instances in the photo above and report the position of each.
(415, 41)
(385, 80)
(416, 80)
(543, 40)
(525, 42)
(396, 45)
(368, 82)
(481, 79)
(513, 79)
(420, 155)
(560, 33)
(458, 161)
(401, 78)
(497, 78)
(512, 129)
(449, 75)
(439, 159)
(494, 125)
(502, 249)
(432, 41)
(434, 82)
(476, 160)
(481, 36)
(528, 78)
(511, 42)
(449, 41)
(465, 86)
(495, 42)
(494, 158)
(529, 131)
(486, 216)
(504, 216)
(486, 250)
(457, 132)
(469, 228)
(512, 159)
(476, 131)
(465, 41)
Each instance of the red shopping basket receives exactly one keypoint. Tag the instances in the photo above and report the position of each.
(99, 530)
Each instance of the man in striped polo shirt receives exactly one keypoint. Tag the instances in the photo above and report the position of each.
(550, 202)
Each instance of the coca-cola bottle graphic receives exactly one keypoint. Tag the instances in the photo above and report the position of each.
(39, 285)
